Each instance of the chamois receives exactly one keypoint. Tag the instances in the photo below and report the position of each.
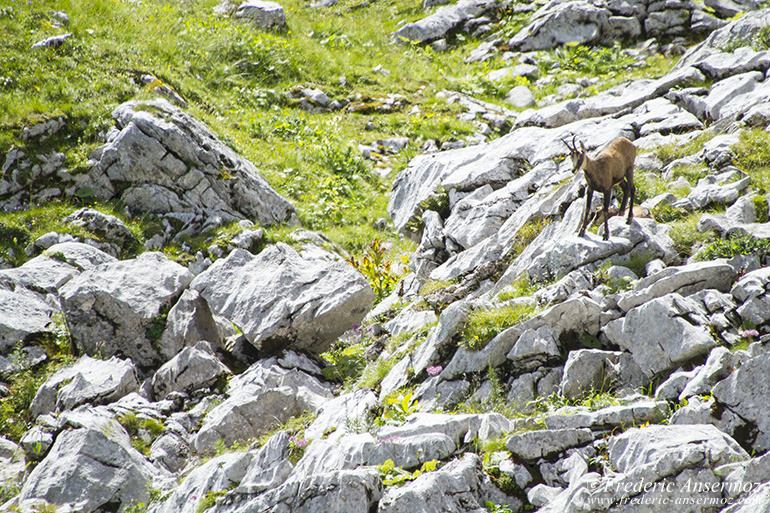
(614, 165)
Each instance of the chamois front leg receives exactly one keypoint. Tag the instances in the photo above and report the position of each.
(589, 197)
(607, 198)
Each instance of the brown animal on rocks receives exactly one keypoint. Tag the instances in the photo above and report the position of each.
(614, 165)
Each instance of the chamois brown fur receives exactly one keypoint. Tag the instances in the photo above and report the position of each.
(614, 165)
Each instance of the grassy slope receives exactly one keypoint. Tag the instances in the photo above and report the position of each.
(235, 78)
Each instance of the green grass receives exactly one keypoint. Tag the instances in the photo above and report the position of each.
(142, 430)
(744, 244)
(484, 324)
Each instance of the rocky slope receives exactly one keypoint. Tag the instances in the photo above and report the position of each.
(515, 367)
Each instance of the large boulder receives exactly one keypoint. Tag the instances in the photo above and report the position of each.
(458, 487)
(445, 20)
(263, 14)
(93, 470)
(280, 299)
(340, 491)
(87, 381)
(683, 280)
(746, 392)
(564, 22)
(663, 334)
(216, 475)
(121, 307)
(22, 314)
(162, 160)
(263, 397)
(108, 228)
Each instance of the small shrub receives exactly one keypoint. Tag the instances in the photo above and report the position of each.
(143, 431)
(375, 267)
(484, 324)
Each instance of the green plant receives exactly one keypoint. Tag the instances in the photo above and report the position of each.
(761, 210)
(392, 475)
(345, 362)
(482, 325)
(157, 325)
(142, 430)
(597, 60)
(744, 244)
(521, 287)
(399, 407)
(497, 508)
(375, 267)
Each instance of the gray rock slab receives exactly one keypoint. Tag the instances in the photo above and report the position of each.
(87, 381)
(341, 413)
(546, 443)
(444, 20)
(280, 300)
(458, 487)
(684, 280)
(22, 313)
(460, 428)
(65, 476)
(558, 23)
(216, 475)
(623, 415)
(192, 369)
(663, 333)
(115, 307)
(340, 491)
(746, 392)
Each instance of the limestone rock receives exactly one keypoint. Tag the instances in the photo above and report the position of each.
(190, 370)
(119, 307)
(216, 475)
(22, 314)
(545, 443)
(663, 333)
(444, 20)
(559, 23)
(65, 476)
(172, 163)
(457, 487)
(746, 392)
(280, 300)
(262, 13)
(86, 381)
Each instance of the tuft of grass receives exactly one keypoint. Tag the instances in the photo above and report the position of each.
(686, 236)
(483, 325)
(761, 209)
(668, 153)
(142, 430)
(521, 287)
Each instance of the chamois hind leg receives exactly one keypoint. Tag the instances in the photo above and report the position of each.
(589, 197)
(607, 198)
(631, 194)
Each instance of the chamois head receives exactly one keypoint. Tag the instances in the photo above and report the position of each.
(578, 155)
